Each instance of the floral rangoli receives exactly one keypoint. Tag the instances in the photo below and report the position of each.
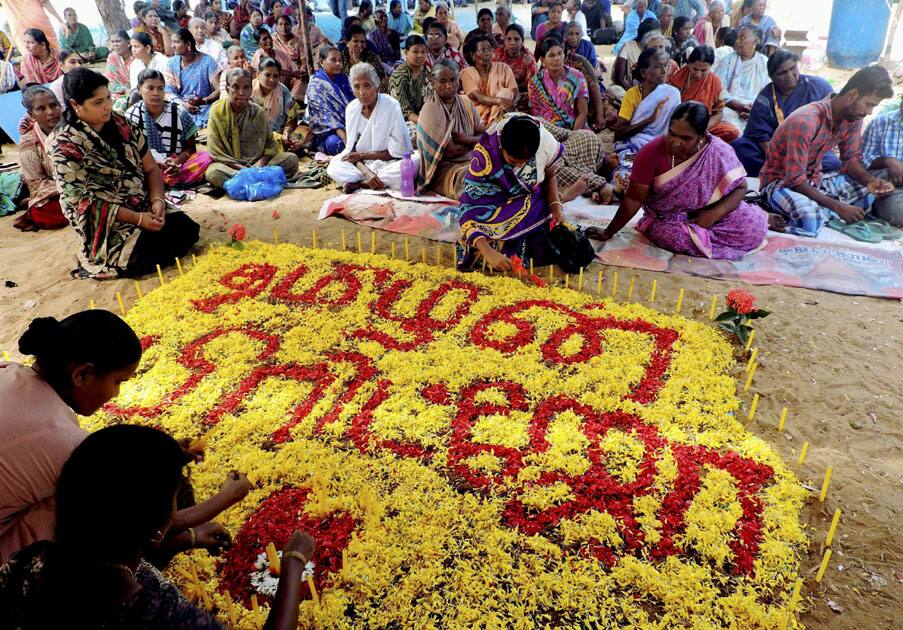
(466, 450)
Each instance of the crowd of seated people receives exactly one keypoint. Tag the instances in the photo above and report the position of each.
(398, 84)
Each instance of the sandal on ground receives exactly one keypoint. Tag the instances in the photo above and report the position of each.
(858, 231)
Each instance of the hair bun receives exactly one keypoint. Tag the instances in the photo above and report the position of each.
(43, 333)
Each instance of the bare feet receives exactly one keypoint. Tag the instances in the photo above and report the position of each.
(574, 190)
(776, 223)
(604, 195)
(352, 187)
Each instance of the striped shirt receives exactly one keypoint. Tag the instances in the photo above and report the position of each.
(883, 138)
(173, 128)
(799, 145)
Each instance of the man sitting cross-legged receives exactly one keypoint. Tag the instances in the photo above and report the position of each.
(792, 176)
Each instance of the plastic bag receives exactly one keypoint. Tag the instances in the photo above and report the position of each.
(256, 183)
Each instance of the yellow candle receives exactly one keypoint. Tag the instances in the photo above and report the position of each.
(230, 609)
(803, 452)
(551, 274)
(423, 254)
(138, 290)
(599, 284)
(276, 236)
(254, 603)
(652, 293)
(160, 275)
(580, 281)
(714, 304)
(824, 565)
(392, 249)
(194, 261)
(531, 267)
(614, 283)
(752, 335)
(567, 281)
(5, 355)
(783, 419)
(313, 589)
(91, 303)
(407, 250)
(630, 288)
(343, 240)
(360, 247)
(795, 595)
(121, 305)
(752, 358)
(749, 378)
(179, 266)
(313, 238)
(752, 407)
(825, 484)
(833, 528)
(273, 557)
(680, 301)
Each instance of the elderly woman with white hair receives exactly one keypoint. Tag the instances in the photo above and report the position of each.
(707, 27)
(207, 45)
(238, 134)
(377, 135)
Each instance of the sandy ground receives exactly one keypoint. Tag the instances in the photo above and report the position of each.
(832, 360)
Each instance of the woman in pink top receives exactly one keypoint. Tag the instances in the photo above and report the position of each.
(80, 362)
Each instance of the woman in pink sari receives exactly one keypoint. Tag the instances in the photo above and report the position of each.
(40, 64)
(692, 187)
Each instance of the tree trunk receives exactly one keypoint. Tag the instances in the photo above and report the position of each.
(112, 12)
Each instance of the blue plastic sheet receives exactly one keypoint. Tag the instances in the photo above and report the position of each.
(256, 183)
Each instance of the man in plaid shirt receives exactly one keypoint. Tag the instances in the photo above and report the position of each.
(882, 154)
(792, 179)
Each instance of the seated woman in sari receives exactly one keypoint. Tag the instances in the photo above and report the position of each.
(743, 74)
(69, 60)
(40, 64)
(111, 189)
(575, 43)
(448, 128)
(192, 77)
(385, 42)
(787, 92)
(623, 76)
(597, 115)
(705, 29)
(510, 194)
(697, 82)
(644, 113)
(520, 60)
(328, 94)
(118, 62)
(357, 51)
(170, 130)
(378, 137)
(235, 58)
(454, 35)
(150, 24)
(692, 186)
(44, 211)
(410, 82)
(76, 36)
(558, 93)
(248, 37)
(484, 25)
(554, 25)
(239, 136)
(291, 75)
(282, 110)
(489, 84)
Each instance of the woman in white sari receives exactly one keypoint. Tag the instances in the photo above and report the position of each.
(645, 111)
(377, 137)
(743, 74)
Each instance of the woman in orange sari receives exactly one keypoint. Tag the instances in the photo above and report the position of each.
(697, 82)
(489, 84)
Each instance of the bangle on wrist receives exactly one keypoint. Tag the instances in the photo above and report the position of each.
(153, 199)
(194, 536)
(140, 217)
(295, 554)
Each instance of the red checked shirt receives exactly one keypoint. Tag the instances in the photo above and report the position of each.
(800, 143)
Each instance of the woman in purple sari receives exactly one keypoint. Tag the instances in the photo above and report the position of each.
(692, 187)
(510, 194)
(788, 91)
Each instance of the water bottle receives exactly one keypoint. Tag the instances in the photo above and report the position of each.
(407, 176)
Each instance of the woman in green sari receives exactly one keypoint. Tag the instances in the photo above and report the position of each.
(76, 36)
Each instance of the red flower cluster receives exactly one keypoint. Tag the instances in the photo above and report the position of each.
(237, 232)
(741, 300)
(274, 521)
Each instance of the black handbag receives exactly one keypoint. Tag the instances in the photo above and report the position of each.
(570, 249)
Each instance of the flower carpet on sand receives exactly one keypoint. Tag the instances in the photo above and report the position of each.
(466, 450)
